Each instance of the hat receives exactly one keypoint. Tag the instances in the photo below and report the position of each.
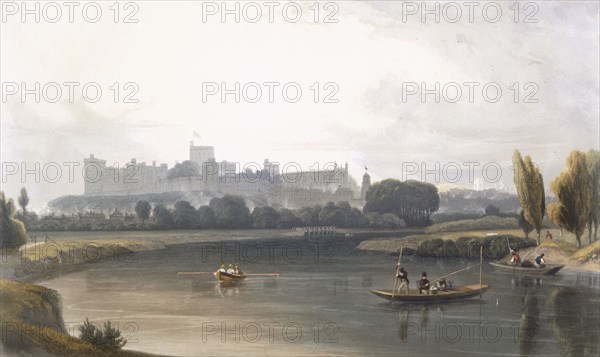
(424, 274)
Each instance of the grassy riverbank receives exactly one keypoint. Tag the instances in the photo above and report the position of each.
(31, 323)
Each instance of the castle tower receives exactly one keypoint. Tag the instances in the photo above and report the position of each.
(366, 184)
(201, 154)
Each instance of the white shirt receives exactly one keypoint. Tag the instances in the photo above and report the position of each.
(230, 271)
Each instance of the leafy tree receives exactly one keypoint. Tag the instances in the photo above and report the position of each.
(264, 217)
(23, 200)
(573, 190)
(142, 209)
(163, 217)
(411, 200)
(287, 219)
(593, 162)
(530, 190)
(12, 231)
(231, 212)
(310, 215)
(185, 169)
(524, 224)
(554, 213)
(492, 210)
(206, 217)
(185, 215)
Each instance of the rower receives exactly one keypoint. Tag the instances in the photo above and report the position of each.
(403, 276)
(424, 284)
(516, 259)
(230, 270)
(221, 268)
(539, 261)
(237, 270)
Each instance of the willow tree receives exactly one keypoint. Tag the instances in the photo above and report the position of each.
(573, 190)
(593, 163)
(530, 189)
(554, 213)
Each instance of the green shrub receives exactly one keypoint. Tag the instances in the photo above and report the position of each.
(107, 339)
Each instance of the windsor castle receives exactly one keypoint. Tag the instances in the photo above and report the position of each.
(286, 185)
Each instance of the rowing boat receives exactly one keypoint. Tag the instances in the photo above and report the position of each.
(547, 269)
(460, 292)
(222, 276)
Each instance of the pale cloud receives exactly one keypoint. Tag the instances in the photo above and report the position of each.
(368, 53)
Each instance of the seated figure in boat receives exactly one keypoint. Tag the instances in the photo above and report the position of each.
(539, 261)
(441, 284)
(403, 276)
(424, 284)
(237, 270)
(221, 268)
(515, 258)
(230, 270)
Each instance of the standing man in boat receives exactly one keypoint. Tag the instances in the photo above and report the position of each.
(539, 261)
(515, 258)
(424, 284)
(403, 276)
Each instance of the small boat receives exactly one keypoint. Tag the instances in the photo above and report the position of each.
(460, 292)
(226, 277)
(547, 269)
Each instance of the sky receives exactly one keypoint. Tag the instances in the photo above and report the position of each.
(371, 62)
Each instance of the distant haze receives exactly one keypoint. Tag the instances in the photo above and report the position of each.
(369, 53)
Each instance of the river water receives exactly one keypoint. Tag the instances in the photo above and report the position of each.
(322, 304)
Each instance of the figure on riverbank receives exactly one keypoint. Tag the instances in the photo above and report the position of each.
(548, 235)
(424, 284)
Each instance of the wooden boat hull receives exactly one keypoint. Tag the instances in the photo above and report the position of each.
(548, 269)
(226, 277)
(461, 292)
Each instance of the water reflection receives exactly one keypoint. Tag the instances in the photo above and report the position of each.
(576, 321)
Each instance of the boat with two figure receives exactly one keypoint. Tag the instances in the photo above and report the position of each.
(537, 266)
(231, 275)
(440, 291)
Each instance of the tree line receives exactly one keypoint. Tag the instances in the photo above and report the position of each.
(577, 188)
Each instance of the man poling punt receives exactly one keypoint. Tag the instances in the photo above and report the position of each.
(436, 295)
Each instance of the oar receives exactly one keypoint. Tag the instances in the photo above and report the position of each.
(195, 272)
(267, 274)
(396, 276)
(458, 271)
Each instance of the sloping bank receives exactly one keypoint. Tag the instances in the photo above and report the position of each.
(31, 324)
(31, 321)
(35, 261)
(494, 248)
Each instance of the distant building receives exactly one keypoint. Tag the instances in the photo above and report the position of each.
(366, 184)
(290, 188)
